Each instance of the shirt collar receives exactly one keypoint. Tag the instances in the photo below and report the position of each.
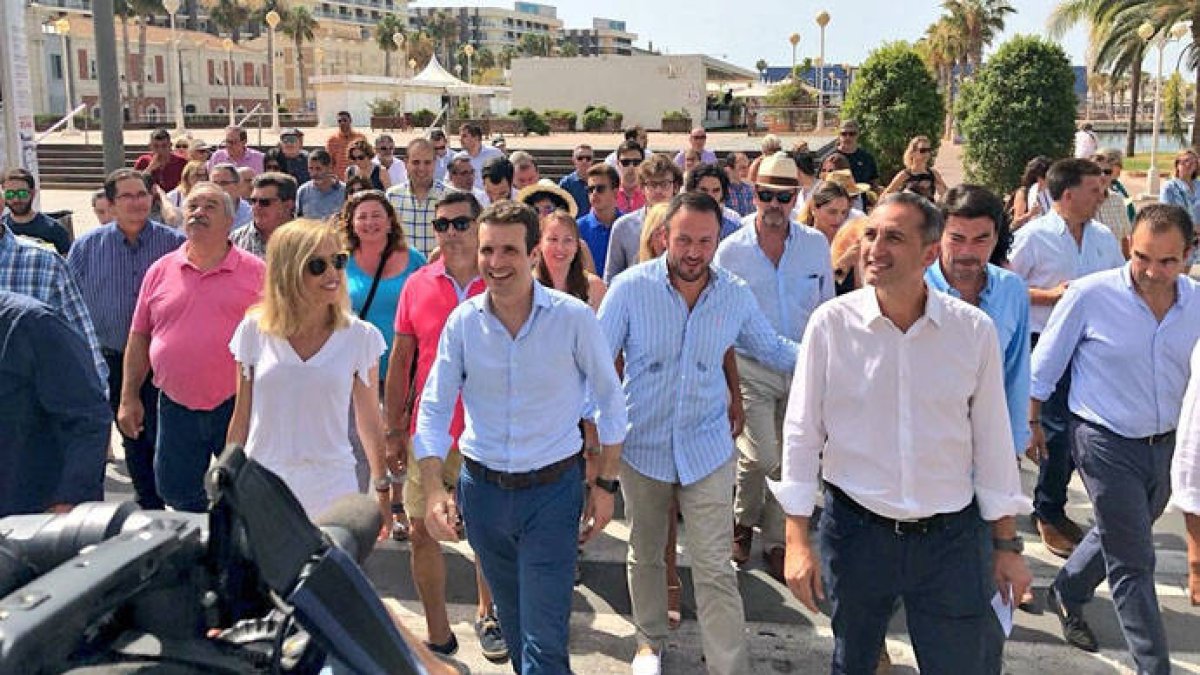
(869, 306)
(1183, 289)
(936, 279)
(229, 263)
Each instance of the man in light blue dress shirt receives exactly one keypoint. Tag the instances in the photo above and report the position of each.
(787, 267)
(673, 318)
(1049, 253)
(527, 361)
(1127, 337)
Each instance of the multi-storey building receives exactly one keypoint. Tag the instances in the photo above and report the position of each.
(606, 36)
(494, 28)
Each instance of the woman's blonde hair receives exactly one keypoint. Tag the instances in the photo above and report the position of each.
(911, 151)
(191, 175)
(655, 220)
(292, 245)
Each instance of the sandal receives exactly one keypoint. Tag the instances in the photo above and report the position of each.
(399, 523)
(674, 598)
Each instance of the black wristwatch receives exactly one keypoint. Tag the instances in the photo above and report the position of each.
(609, 486)
(1014, 545)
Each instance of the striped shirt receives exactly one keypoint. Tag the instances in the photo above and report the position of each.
(249, 239)
(741, 198)
(31, 270)
(675, 390)
(109, 269)
(416, 214)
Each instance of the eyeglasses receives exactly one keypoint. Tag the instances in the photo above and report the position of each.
(583, 158)
(924, 151)
(290, 139)
(126, 196)
(767, 196)
(355, 157)
(318, 266)
(263, 201)
(1106, 172)
(699, 137)
(630, 162)
(597, 188)
(849, 133)
(223, 183)
(660, 184)
(16, 194)
(463, 172)
(384, 148)
(460, 223)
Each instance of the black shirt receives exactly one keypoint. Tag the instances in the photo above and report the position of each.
(42, 227)
(862, 165)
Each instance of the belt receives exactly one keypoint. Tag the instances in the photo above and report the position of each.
(900, 527)
(1152, 439)
(526, 479)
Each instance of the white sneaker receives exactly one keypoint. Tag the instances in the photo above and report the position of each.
(645, 663)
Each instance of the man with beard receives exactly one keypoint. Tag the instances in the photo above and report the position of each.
(787, 267)
(20, 191)
(416, 200)
(672, 319)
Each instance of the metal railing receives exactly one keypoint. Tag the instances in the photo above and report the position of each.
(55, 127)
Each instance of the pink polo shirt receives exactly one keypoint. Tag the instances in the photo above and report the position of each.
(426, 301)
(190, 317)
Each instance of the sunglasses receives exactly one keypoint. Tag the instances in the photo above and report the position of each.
(924, 151)
(460, 223)
(583, 158)
(355, 157)
(591, 189)
(318, 266)
(700, 137)
(849, 133)
(262, 201)
(767, 196)
(290, 139)
(16, 194)
(1106, 172)
(384, 148)
(630, 162)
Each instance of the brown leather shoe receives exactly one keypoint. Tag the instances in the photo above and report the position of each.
(1054, 539)
(1070, 529)
(773, 559)
(743, 537)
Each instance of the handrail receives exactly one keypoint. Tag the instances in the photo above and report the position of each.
(444, 112)
(44, 134)
(255, 109)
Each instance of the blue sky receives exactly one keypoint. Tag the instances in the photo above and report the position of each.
(743, 32)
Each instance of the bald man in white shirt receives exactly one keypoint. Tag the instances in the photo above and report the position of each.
(898, 397)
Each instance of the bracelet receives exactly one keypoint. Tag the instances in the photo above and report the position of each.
(593, 450)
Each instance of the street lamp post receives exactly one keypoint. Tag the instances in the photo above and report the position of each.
(63, 27)
(822, 21)
(794, 38)
(174, 86)
(398, 40)
(228, 45)
(412, 67)
(272, 18)
(469, 50)
(1146, 31)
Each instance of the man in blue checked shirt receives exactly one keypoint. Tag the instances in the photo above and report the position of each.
(673, 318)
(1127, 336)
(526, 360)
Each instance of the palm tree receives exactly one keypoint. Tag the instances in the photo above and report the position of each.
(385, 32)
(442, 27)
(761, 66)
(978, 23)
(228, 16)
(1163, 15)
(506, 56)
(485, 58)
(566, 48)
(145, 10)
(943, 47)
(300, 25)
(123, 9)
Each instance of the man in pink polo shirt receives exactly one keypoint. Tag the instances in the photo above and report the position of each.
(426, 301)
(190, 302)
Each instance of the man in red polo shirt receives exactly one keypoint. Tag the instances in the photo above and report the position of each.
(164, 166)
(190, 302)
(426, 301)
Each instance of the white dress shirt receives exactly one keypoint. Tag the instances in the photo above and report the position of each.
(907, 424)
(397, 172)
(1185, 465)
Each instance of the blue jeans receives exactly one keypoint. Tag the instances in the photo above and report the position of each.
(526, 543)
(139, 452)
(943, 577)
(1129, 483)
(187, 441)
(1054, 473)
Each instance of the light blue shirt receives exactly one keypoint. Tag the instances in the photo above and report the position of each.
(1128, 370)
(1182, 193)
(1045, 254)
(1005, 299)
(675, 387)
(623, 242)
(522, 396)
(788, 293)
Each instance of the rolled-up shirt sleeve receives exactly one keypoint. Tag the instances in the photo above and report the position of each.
(1185, 465)
(593, 358)
(1052, 356)
(442, 387)
(996, 478)
(804, 432)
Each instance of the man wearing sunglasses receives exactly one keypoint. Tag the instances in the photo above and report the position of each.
(385, 157)
(595, 227)
(225, 175)
(190, 303)
(462, 179)
(696, 141)
(20, 191)
(787, 268)
(660, 179)
(273, 202)
(237, 152)
(292, 157)
(862, 162)
(629, 157)
(576, 181)
(1112, 211)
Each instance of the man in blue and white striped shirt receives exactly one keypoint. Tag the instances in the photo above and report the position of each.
(673, 318)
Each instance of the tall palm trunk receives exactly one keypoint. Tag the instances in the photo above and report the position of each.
(1135, 88)
(303, 79)
(140, 67)
(130, 100)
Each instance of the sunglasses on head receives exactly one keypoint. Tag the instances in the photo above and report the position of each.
(16, 194)
(597, 188)
(460, 223)
(630, 162)
(317, 266)
(767, 196)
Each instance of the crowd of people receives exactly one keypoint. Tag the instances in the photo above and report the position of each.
(787, 348)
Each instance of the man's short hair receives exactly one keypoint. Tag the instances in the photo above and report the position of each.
(806, 162)
(1163, 217)
(321, 156)
(1068, 173)
(224, 166)
(460, 159)
(160, 135)
(226, 199)
(97, 195)
(631, 133)
(471, 129)
(284, 184)
(459, 197)
(345, 113)
(498, 169)
(21, 175)
(631, 146)
(693, 201)
(381, 138)
(419, 144)
(111, 180)
(770, 144)
(509, 212)
(437, 134)
(658, 164)
(582, 146)
(521, 159)
(931, 217)
(607, 171)
(241, 131)
(973, 201)
(707, 171)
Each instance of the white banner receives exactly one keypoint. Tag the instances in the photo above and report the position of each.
(19, 147)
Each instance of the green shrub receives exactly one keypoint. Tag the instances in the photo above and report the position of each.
(567, 116)
(423, 117)
(534, 123)
(676, 116)
(893, 98)
(1021, 104)
(595, 117)
(385, 107)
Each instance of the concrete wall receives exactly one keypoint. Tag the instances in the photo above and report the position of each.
(640, 87)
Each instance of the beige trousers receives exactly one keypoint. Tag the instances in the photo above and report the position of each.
(760, 447)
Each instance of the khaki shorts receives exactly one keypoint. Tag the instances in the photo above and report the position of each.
(414, 492)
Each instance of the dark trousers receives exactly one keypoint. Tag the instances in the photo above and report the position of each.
(187, 441)
(1129, 482)
(526, 543)
(1054, 473)
(139, 452)
(943, 577)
